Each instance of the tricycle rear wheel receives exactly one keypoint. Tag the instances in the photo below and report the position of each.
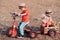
(52, 32)
(33, 34)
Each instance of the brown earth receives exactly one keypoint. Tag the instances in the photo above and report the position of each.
(36, 9)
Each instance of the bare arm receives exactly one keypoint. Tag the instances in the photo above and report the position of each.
(23, 14)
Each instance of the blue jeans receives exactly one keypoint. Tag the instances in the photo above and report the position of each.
(21, 27)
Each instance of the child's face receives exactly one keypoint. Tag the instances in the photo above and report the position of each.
(20, 7)
(48, 14)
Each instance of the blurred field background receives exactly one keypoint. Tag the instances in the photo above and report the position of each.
(36, 9)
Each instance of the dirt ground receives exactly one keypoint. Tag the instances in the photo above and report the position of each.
(36, 9)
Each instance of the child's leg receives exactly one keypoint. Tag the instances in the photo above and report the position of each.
(44, 24)
(21, 28)
(42, 30)
(50, 23)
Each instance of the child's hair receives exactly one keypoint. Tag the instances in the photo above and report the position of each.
(21, 7)
(48, 12)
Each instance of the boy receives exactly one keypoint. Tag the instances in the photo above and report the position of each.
(47, 19)
(25, 18)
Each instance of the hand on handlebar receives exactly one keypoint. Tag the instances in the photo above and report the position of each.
(17, 14)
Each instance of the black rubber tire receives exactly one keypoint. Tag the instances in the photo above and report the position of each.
(33, 34)
(7, 32)
(52, 32)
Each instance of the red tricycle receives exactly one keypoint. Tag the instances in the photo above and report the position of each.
(14, 30)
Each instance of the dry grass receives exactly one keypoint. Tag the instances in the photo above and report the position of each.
(36, 9)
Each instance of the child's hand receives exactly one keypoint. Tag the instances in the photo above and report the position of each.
(19, 14)
(15, 12)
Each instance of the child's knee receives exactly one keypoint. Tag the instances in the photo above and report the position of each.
(44, 25)
(50, 23)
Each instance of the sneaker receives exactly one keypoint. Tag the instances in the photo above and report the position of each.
(20, 37)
